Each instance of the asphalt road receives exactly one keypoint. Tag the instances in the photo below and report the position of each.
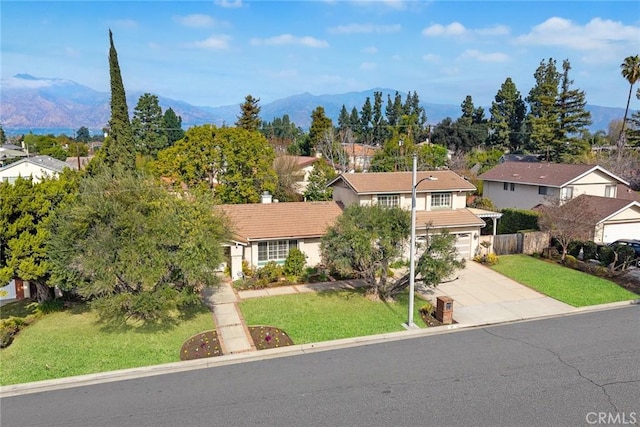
(574, 370)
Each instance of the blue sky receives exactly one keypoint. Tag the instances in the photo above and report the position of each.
(215, 53)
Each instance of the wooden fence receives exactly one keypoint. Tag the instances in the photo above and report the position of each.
(519, 243)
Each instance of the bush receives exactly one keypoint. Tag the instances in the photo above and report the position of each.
(589, 250)
(46, 307)
(574, 248)
(10, 327)
(315, 275)
(488, 259)
(270, 272)
(295, 262)
(606, 255)
(515, 220)
(571, 261)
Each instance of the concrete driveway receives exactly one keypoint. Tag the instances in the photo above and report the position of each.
(481, 296)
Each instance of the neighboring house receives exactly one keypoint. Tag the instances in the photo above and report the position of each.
(440, 201)
(8, 152)
(15, 290)
(304, 164)
(360, 156)
(37, 167)
(613, 219)
(531, 158)
(524, 185)
(264, 232)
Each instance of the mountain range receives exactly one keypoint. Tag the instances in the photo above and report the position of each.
(53, 105)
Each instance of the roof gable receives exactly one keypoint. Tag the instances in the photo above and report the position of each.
(284, 220)
(602, 208)
(547, 174)
(401, 182)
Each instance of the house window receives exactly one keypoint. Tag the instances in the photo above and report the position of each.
(508, 186)
(567, 193)
(389, 201)
(610, 191)
(441, 200)
(512, 186)
(275, 250)
(505, 186)
(542, 190)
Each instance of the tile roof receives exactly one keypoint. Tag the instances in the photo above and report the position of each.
(301, 161)
(624, 192)
(448, 219)
(284, 220)
(601, 207)
(400, 182)
(548, 174)
(360, 149)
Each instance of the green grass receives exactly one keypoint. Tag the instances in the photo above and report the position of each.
(72, 342)
(564, 284)
(330, 315)
(17, 309)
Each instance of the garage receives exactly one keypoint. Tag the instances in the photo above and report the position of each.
(463, 245)
(613, 232)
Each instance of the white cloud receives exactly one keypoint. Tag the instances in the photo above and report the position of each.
(453, 29)
(496, 30)
(288, 39)
(485, 57)
(431, 57)
(371, 50)
(365, 29)
(368, 66)
(597, 34)
(195, 21)
(231, 4)
(212, 43)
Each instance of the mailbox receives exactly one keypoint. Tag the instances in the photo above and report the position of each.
(444, 310)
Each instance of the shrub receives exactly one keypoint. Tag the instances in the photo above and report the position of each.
(46, 307)
(570, 261)
(9, 328)
(488, 259)
(589, 250)
(295, 262)
(270, 272)
(515, 220)
(399, 263)
(606, 255)
(574, 248)
(314, 275)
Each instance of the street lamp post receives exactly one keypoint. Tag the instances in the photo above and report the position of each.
(412, 249)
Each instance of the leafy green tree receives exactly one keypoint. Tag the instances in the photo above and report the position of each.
(379, 133)
(394, 110)
(630, 70)
(574, 117)
(366, 123)
(633, 133)
(3, 137)
(148, 126)
(439, 261)
(395, 155)
(83, 135)
(26, 209)
(506, 124)
(134, 249)
(172, 125)
(119, 146)
(431, 156)
(236, 163)
(320, 126)
(249, 117)
(45, 145)
(282, 134)
(364, 241)
(344, 120)
(317, 190)
(485, 158)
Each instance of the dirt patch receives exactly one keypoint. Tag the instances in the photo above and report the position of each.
(265, 337)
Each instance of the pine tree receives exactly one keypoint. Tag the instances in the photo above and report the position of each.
(119, 148)
(344, 121)
(148, 126)
(507, 117)
(574, 117)
(379, 133)
(321, 125)
(543, 121)
(172, 124)
(249, 117)
(366, 124)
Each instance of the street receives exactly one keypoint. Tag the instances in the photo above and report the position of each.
(574, 370)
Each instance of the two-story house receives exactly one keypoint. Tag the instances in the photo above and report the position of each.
(524, 185)
(440, 201)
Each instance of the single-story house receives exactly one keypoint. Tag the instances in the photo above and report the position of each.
(264, 232)
(524, 185)
(37, 167)
(440, 201)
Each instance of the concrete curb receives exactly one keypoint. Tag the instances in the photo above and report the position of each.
(176, 367)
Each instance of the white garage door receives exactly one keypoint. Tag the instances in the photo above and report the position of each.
(463, 245)
(613, 232)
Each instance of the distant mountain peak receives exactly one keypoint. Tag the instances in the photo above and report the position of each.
(25, 76)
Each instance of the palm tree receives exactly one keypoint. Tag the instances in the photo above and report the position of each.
(630, 70)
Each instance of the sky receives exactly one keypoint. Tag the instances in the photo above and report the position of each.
(214, 53)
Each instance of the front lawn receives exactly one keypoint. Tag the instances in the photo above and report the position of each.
(71, 343)
(562, 283)
(329, 315)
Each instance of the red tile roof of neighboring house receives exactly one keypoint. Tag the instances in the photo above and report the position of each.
(360, 150)
(401, 182)
(447, 219)
(302, 161)
(547, 174)
(285, 220)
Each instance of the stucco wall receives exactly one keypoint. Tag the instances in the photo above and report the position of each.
(24, 170)
(522, 197)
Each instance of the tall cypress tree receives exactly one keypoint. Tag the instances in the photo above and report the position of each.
(249, 117)
(574, 117)
(544, 117)
(119, 147)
